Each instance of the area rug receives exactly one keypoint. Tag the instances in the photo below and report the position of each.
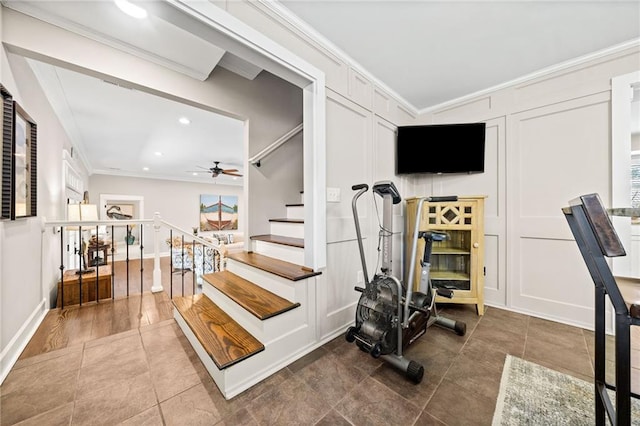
(531, 394)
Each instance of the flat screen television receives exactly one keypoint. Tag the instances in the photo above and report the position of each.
(441, 148)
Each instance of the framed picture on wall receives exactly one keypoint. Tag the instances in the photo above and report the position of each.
(24, 165)
(218, 212)
(7, 142)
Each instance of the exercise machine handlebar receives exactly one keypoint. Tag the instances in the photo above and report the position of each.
(414, 249)
(361, 188)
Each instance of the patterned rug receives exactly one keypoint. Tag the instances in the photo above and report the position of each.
(534, 395)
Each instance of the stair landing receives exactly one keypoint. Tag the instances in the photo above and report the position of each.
(259, 302)
(224, 340)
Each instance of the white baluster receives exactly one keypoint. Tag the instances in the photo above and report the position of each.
(157, 274)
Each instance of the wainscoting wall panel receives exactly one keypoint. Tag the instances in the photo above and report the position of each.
(554, 157)
(360, 89)
(583, 80)
(349, 142)
(473, 108)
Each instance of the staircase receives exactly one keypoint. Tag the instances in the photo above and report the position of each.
(258, 315)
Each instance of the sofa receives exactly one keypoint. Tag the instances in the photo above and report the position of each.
(232, 242)
(194, 257)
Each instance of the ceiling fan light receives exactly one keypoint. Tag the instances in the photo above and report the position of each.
(131, 9)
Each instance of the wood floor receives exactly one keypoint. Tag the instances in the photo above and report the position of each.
(74, 325)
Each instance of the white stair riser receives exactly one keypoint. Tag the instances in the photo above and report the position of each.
(287, 229)
(277, 285)
(276, 356)
(279, 251)
(295, 212)
(265, 331)
(290, 344)
(239, 377)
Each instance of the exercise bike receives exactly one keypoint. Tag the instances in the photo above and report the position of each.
(389, 315)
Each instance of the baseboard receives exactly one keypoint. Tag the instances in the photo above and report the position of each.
(10, 354)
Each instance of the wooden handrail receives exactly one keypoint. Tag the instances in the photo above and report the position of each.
(255, 160)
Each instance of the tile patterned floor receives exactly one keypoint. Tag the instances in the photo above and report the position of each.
(151, 376)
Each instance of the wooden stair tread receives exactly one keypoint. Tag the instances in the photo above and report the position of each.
(222, 338)
(258, 301)
(294, 205)
(279, 239)
(287, 270)
(287, 220)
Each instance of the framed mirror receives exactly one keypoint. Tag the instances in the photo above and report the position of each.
(24, 167)
(7, 142)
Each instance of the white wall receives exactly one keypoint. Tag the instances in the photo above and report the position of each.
(30, 258)
(548, 141)
(177, 202)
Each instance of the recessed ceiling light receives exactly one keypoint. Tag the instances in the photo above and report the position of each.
(131, 9)
(158, 153)
(146, 169)
(184, 120)
(195, 173)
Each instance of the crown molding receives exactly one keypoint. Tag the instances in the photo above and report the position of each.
(284, 14)
(544, 72)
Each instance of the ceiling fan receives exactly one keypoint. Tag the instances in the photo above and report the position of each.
(217, 171)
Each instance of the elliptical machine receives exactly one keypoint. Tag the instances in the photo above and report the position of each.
(389, 315)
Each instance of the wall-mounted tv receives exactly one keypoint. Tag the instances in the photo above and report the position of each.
(441, 148)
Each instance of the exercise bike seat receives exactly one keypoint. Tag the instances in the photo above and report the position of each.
(433, 235)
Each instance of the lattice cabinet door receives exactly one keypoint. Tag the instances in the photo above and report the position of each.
(457, 263)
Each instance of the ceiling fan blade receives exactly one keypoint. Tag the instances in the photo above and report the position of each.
(231, 174)
(230, 170)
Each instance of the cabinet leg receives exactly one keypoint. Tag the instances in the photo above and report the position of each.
(480, 309)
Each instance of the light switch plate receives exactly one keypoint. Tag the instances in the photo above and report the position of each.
(333, 195)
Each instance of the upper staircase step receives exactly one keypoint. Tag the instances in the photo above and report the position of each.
(224, 340)
(287, 270)
(279, 239)
(287, 220)
(258, 301)
(294, 205)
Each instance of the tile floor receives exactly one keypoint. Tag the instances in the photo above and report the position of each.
(151, 376)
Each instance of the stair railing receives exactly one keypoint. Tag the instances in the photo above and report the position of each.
(256, 159)
(91, 267)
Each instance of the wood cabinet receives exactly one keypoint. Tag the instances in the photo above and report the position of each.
(457, 263)
(101, 274)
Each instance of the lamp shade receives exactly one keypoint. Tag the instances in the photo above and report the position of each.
(89, 212)
(73, 212)
(82, 212)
